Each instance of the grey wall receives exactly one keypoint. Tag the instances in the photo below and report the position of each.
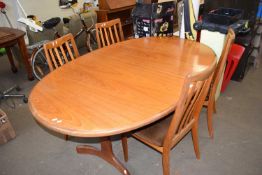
(43, 9)
(11, 13)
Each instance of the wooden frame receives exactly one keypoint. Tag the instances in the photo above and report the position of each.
(210, 102)
(61, 51)
(117, 95)
(113, 9)
(108, 33)
(185, 118)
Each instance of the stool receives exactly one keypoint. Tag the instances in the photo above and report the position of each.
(233, 58)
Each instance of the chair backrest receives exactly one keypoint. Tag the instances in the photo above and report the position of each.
(222, 61)
(61, 51)
(109, 32)
(189, 105)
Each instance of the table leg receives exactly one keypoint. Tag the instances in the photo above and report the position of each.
(11, 59)
(22, 46)
(105, 153)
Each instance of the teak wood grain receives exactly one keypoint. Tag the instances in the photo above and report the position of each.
(61, 51)
(9, 38)
(108, 33)
(118, 88)
(163, 135)
(114, 4)
(210, 102)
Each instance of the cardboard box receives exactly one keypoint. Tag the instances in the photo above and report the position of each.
(156, 19)
(6, 130)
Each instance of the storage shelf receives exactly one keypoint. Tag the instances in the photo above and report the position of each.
(124, 14)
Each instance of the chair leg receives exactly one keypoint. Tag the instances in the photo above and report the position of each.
(209, 117)
(66, 137)
(214, 107)
(166, 161)
(11, 59)
(125, 147)
(195, 140)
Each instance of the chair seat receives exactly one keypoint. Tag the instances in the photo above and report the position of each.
(156, 132)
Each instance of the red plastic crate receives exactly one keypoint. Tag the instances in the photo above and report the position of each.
(233, 58)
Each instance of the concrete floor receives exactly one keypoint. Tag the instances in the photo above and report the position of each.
(235, 150)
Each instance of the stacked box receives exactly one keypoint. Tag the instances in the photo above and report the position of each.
(156, 19)
(6, 130)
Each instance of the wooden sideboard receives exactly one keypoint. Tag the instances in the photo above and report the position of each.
(112, 9)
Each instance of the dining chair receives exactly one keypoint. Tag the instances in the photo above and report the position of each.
(60, 52)
(163, 135)
(108, 33)
(210, 101)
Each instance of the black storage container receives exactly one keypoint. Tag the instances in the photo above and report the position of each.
(224, 16)
(221, 19)
(154, 19)
(249, 8)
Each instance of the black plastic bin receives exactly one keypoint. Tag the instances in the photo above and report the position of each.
(154, 19)
(221, 19)
(224, 16)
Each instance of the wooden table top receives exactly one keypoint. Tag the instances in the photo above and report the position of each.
(118, 88)
(11, 35)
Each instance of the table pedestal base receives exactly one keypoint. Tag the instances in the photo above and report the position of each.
(105, 153)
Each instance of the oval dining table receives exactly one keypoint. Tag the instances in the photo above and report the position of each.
(117, 89)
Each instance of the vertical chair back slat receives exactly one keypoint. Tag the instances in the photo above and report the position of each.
(57, 56)
(189, 106)
(61, 51)
(102, 38)
(108, 33)
(52, 61)
(183, 114)
(106, 36)
(69, 51)
(116, 33)
(111, 35)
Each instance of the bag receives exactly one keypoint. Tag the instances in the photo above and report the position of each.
(64, 4)
(50, 23)
(6, 130)
(154, 19)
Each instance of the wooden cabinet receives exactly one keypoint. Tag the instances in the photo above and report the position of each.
(112, 9)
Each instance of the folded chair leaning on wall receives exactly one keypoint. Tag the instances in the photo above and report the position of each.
(210, 102)
(60, 52)
(163, 135)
